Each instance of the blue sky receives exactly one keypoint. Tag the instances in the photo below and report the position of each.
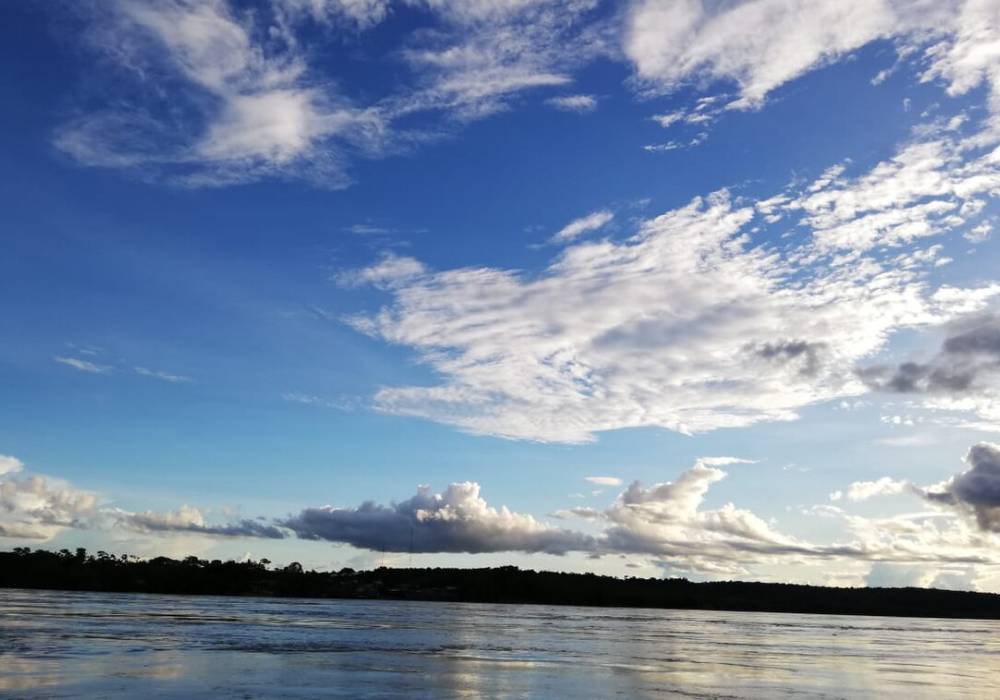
(267, 262)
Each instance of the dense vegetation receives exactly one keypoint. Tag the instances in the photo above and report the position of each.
(24, 568)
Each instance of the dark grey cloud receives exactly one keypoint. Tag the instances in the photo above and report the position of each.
(983, 339)
(977, 489)
(806, 353)
(458, 520)
(190, 520)
(967, 363)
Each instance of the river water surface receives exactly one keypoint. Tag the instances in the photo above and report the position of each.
(96, 645)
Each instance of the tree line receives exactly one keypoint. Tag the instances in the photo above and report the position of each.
(80, 571)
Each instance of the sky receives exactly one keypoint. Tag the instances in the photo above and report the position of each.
(647, 288)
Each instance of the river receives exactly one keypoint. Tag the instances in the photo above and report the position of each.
(57, 644)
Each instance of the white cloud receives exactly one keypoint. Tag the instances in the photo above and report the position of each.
(705, 111)
(669, 521)
(10, 465)
(486, 53)
(83, 365)
(901, 575)
(922, 191)
(758, 44)
(668, 119)
(604, 480)
(666, 520)
(979, 233)
(36, 507)
(161, 375)
(582, 512)
(662, 147)
(360, 13)
(223, 95)
(573, 103)
(210, 94)
(341, 403)
(95, 368)
(724, 461)
(863, 490)
(577, 227)
(967, 55)
(390, 272)
(368, 229)
(261, 115)
(691, 324)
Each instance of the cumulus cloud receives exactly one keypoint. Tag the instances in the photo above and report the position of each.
(692, 324)
(979, 233)
(457, 520)
(962, 529)
(863, 490)
(669, 522)
(40, 507)
(10, 465)
(36, 507)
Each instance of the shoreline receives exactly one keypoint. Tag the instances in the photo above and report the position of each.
(104, 573)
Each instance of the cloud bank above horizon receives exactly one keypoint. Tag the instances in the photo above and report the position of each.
(666, 522)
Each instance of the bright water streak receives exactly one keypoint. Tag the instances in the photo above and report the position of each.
(59, 645)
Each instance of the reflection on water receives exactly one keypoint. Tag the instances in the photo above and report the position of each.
(59, 645)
